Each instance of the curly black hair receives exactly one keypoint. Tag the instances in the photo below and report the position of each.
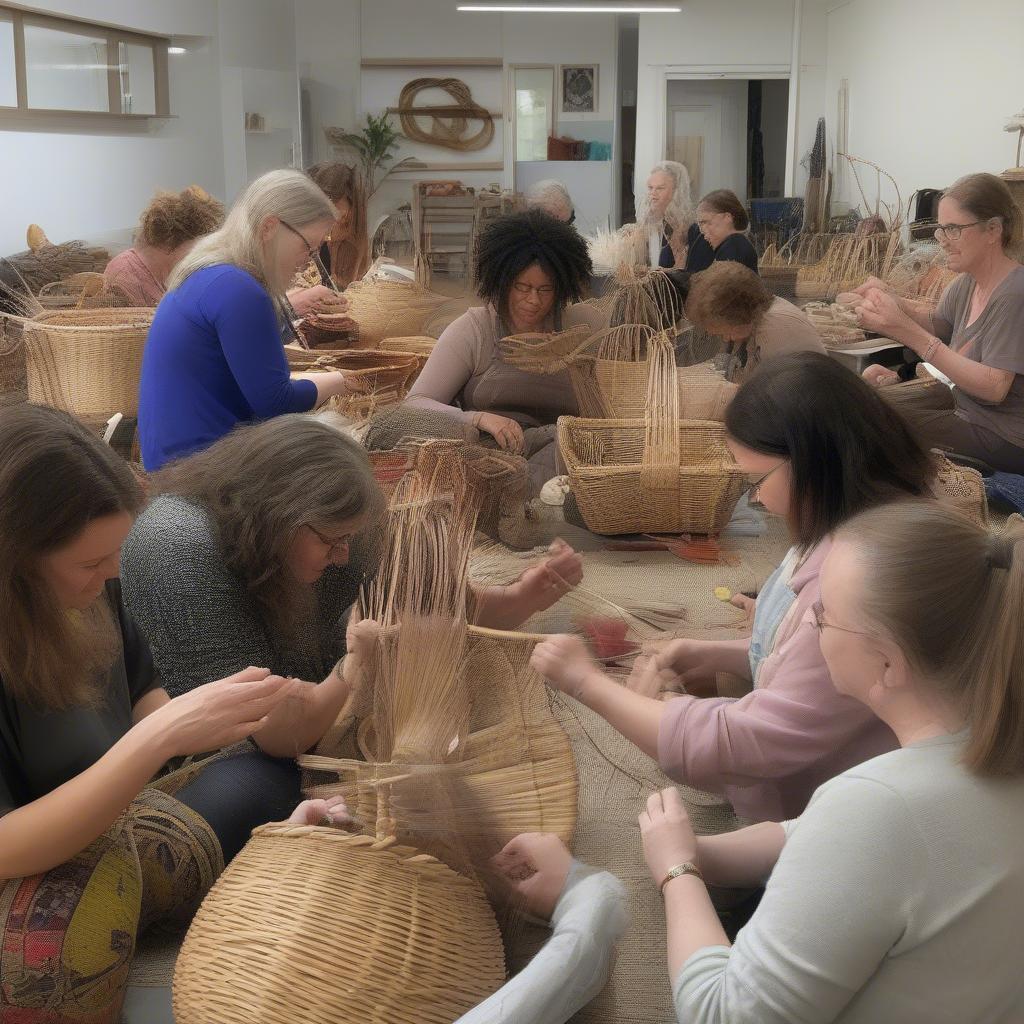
(512, 244)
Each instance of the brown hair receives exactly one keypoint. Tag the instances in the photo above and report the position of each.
(174, 218)
(848, 449)
(350, 249)
(260, 484)
(950, 594)
(985, 196)
(724, 200)
(55, 479)
(727, 292)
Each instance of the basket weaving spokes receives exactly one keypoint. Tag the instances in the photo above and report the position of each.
(660, 469)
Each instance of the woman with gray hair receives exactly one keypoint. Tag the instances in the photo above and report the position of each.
(665, 213)
(552, 197)
(213, 357)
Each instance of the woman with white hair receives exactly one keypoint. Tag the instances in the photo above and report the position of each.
(214, 357)
(552, 197)
(665, 213)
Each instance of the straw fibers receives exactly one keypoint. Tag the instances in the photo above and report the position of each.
(311, 924)
(81, 291)
(87, 362)
(393, 309)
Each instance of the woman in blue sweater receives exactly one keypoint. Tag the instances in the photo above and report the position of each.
(214, 356)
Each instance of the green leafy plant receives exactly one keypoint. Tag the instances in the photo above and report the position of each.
(375, 146)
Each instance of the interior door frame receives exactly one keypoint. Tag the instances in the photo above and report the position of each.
(510, 117)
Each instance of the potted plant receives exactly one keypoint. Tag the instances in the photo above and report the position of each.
(375, 146)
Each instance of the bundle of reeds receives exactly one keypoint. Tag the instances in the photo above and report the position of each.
(836, 324)
(48, 263)
(849, 261)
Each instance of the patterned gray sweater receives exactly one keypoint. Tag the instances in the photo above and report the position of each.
(197, 615)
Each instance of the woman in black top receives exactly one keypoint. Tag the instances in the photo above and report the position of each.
(89, 852)
(718, 233)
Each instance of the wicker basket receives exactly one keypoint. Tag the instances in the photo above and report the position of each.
(390, 309)
(605, 462)
(87, 362)
(81, 291)
(961, 488)
(422, 345)
(703, 394)
(333, 331)
(313, 924)
(367, 370)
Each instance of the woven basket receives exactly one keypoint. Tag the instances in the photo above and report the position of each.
(605, 462)
(81, 291)
(87, 362)
(367, 370)
(13, 383)
(422, 345)
(390, 309)
(313, 924)
(703, 394)
(321, 332)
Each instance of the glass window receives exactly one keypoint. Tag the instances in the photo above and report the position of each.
(535, 104)
(8, 80)
(65, 70)
(138, 81)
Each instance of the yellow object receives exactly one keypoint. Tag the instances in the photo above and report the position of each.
(723, 593)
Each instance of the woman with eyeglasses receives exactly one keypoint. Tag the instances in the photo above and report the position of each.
(214, 357)
(719, 233)
(252, 552)
(976, 335)
(529, 268)
(820, 446)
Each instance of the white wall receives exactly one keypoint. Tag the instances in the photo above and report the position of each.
(934, 111)
(750, 38)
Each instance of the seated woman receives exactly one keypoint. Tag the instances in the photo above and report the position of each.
(168, 229)
(253, 551)
(214, 357)
(529, 268)
(731, 302)
(976, 335)
(718, 233)
(344, 255)
(822, 446)
(552, 197)
(90, 852)
(664, 215)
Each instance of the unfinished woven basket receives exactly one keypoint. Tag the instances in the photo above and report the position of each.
(607, 473)
(390, 309)
(422, 345)
(329, 330)
(961, 488)
(87, 362)
(312, 924)
(81, 291)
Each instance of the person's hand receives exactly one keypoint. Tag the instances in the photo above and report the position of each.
(651, 679)
(564, 662)
(872, 284)
(506, 432)
(220, 713)
(361, 637)
(536, 865)
(693, 661)
(318, 299)
(549, 581)
(881, 313)
(667, 834)
(332, 811)
(878, 376)
(748, 605)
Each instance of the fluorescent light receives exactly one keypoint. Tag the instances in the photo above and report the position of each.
(176, 49)
(568, 9)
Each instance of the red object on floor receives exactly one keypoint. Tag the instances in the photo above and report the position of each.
(607, 637)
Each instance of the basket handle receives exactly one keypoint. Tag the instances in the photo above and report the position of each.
(660, 467)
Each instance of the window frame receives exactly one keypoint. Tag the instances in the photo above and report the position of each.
(113, 35)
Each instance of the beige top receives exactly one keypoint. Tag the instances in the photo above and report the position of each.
(783, 329)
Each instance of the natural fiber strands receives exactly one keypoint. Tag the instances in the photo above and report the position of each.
(960, 488)
(545, 353)
(837, 325)
(660, 467)
(648, 297)
(311, 924)
(390, 309)
(87, 362)
(448, 122)
(421, 345)
(81, 291)
(850, 260)
(329, 330)
(13, 382)
(48, 263)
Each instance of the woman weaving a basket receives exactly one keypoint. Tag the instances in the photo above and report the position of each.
(718, 233)
(976, 335)
(731, 302)
(821, 446)
(529, 267)
(214, 356)
(91, 852)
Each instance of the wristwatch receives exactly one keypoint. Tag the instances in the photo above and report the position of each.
(688, 868)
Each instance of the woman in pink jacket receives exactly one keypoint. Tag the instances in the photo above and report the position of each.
(819, 446)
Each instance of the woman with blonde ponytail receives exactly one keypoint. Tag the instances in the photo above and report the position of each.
(901, 886)
(214, 356)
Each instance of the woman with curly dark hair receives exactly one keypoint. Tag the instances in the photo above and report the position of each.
(530, 268)
(168, 228)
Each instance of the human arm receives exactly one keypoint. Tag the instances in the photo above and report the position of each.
(588, 917)
(451, 363)
(242, 314)
(566, 664)
(741, 859)
(693, 660)
(920, 312)
(328, 383)
(50, 830)
(839, 899)
(318, 299)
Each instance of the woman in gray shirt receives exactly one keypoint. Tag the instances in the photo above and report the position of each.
(975, 337)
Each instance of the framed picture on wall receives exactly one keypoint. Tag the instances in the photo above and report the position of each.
(578, 84)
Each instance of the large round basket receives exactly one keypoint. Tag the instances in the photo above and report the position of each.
(315, 925)
(87, 361)
(605, 462)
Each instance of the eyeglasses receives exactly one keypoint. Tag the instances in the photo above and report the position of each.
(335, 545)
(545, 291)
(819, 621)
(754, 487)
(310, 251)
(953, 231)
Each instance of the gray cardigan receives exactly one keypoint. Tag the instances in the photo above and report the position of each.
(197, 616)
